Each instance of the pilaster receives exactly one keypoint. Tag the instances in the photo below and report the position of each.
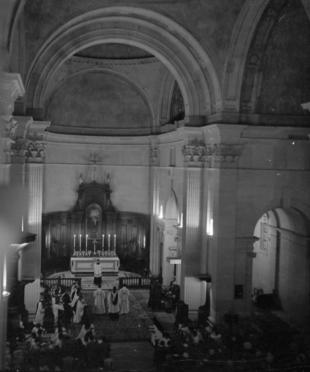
(35, 154)
(223, 256)
(154, 207)
(194, 156)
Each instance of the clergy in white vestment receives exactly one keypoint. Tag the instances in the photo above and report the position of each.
(113, 304)
(79, 310)
(39, 317)
(99, 301)
(97, 272)
(124, 300)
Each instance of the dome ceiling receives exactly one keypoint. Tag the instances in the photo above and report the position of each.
(98, 103)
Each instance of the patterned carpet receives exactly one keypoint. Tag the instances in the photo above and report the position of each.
(130, 327)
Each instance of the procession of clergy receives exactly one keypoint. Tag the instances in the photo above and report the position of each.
(61, 305)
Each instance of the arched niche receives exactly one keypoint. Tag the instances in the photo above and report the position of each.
(97, 101)
(281, 265)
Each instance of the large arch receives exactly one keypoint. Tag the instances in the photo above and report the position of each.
(148, 30)
(242, 37)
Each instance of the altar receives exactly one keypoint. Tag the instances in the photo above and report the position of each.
(85, 264)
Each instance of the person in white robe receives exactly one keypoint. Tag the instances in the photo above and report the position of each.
(99, 301)
(39, 317)
(124, 300)
(79, 310)
(113, 304)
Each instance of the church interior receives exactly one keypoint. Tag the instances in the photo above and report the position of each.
(169, 141)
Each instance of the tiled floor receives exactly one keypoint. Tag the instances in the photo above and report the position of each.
(132, 356)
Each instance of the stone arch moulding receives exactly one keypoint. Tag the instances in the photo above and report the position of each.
(242, 37)
(106, 71)
(175, 47)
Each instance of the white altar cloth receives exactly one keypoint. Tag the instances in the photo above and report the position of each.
(85, 265)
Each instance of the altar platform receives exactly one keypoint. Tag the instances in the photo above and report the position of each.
(84, 265)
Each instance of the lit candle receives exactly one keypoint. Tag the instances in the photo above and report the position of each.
(109, 241)
(74, 238)
(115, 242)
(144, 241)
(102, 241)
(86, 238)
(80, 242)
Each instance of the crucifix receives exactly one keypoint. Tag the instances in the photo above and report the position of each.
(94, 159)
(94, 242)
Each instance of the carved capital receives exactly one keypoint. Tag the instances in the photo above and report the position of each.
(35, 152)
(222, 155)
(194, 152)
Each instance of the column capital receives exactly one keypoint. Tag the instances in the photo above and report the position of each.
(35, 152)
(28, 151)
(194, 153)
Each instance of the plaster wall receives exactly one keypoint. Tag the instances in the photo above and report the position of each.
(127, 166)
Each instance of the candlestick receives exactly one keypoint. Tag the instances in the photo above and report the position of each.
(94, 241)
(109, 241)
(80, 242)
(74, 237)
(102, 243)
(115, 242)
(86, 238)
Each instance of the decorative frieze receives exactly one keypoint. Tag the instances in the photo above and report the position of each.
(222, 155)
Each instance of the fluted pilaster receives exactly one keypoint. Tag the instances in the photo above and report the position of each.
(192, 226)
(35, 197)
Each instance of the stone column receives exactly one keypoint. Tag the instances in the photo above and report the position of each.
(221, 164)
(34, 180)
(154, 208)
(194, 154)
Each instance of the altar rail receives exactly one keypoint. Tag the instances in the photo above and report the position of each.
(64, 282)
(135, 282)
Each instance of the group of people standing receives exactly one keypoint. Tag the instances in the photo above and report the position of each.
(59, 306)
(114, 303)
